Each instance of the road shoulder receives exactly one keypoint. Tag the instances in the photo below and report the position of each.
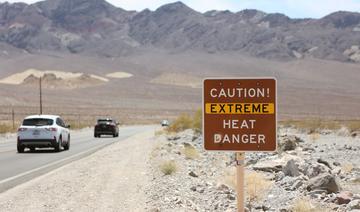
(112, 179)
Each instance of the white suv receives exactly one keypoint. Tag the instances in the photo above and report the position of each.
(41, 131)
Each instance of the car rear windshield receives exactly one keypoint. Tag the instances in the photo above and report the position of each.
(104, 121)
(38, 122)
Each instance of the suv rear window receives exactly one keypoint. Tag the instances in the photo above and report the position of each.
(104, 121)
(38, 122)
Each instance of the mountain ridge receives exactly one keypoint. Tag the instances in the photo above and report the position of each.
(96, 27)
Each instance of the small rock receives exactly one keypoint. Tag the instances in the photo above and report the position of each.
(336, 163)
(343, 132)
(355, 134)
(291, 169)
(193, 174)
(173, 137)
(336, 171)
(287, 143)
(353, 205)
(186, 144)
(296, 185)
(201, 190)
(320, 160)
(318, 193)
(325, 181)
(314, 170)
(343, 197)
(223, 187)
(231, 197)
(308, 149)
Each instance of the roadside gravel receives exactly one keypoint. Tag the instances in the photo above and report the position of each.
(112, 179)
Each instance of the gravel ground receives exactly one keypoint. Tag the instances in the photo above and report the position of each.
(297, 173)
(112, 179)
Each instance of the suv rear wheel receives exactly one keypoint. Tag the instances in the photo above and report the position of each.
(67, 145)
(20, 149)
(58, 145)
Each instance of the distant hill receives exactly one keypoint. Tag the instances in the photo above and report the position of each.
(95, 27)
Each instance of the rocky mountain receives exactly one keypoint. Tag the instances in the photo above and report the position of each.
(95, 27)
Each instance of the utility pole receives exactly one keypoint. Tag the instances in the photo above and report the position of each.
(40, 97)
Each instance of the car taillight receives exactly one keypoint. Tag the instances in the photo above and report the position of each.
(21, 129)
(52, 129)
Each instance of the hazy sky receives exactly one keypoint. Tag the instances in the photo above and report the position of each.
(292, 8)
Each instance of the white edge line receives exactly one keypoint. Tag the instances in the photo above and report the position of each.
(48, 165)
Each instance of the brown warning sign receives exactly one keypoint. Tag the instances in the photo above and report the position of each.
(239, 114)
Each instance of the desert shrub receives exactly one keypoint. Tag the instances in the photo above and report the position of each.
(6, 128)
(347, 168)
(304, 205)
(79, 125)
(353, 125)
(314, 137)
(229, 177)
(197, 121)
(190, 152)
(256, 186)
(168, 167)
(159, 132)
(183, 122)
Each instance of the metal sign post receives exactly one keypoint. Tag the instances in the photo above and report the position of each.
(240, 180)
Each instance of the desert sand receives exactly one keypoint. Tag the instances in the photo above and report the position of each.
(18, 78)
(119, 75)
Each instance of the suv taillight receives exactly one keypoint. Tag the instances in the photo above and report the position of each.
(52, 129)
(21, 129)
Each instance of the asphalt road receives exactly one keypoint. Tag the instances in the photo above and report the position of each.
(13, 164)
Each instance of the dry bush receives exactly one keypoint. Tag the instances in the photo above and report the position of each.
(353, 125)
(159, 132)
(356, 181)
(347, 168)
(256, 186)
(314, 137)
(185, 121)
(182, 123)
(229, 177)
(304, 205)
(197, 121)
(81, 125)
(190, 152)
(6, 128)
(168, 167)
